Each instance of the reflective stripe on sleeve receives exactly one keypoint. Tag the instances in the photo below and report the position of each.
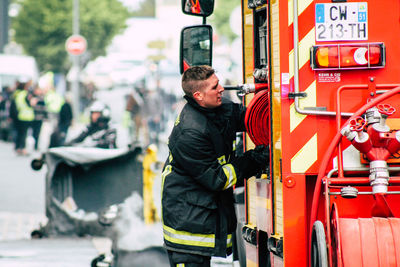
(186, 238)
(166, 171)
(229, 241)
(222, 160)
(230, 175)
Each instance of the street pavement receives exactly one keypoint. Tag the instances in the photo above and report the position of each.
(22, 210)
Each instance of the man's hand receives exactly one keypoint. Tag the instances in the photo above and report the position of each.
(252, 161)
(260, 154)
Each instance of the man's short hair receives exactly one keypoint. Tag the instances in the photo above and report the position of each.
(193, 78)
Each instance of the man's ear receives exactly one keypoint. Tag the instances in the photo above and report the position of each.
(198, 96)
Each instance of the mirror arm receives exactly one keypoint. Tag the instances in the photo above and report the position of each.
(204, 20)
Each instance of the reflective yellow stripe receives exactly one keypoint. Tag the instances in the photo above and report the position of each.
(304, 51)
(229, 241)
(306, 156)
(234, 145)
(166, 171)
(180, 265)
(178, 119)
(222, 160)
(186, 238)
(230, 175)
(301, 6)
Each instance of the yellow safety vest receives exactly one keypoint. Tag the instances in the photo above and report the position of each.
(25, 112)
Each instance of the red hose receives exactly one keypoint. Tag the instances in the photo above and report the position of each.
(257, 118)
(329, 152)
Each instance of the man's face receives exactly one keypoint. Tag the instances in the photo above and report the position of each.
(211, 94)
(95, 116)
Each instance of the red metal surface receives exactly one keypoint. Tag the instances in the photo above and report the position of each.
(370, 242)
(329, 154)
(295, 226)
(381, 207)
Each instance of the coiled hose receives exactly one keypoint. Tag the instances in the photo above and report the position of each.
(257, 118)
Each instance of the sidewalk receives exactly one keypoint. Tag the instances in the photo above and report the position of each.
(48, 252)
(22, 210)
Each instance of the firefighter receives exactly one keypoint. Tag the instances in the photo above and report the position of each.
(98, 133)
(201, 170)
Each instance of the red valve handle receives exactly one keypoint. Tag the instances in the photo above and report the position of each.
(357, 124)
(386, 109)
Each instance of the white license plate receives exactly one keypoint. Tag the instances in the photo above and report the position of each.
(341, 21)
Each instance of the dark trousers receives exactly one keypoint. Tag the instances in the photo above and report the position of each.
(22, 129)
(36, 127)
(178, 259)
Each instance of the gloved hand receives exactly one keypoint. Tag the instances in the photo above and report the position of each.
(252, 162)
(260, 154)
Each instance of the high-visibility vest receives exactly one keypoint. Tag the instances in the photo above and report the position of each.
(54, 101)
(25, 111)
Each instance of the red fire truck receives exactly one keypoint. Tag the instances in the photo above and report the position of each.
(322, 84)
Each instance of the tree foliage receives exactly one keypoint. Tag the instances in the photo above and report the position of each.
(43, 26)
(147, 8)
(221, 15)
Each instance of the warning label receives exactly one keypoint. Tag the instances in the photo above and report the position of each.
(329, 77)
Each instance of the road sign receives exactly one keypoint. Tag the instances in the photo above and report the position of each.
(76, 45)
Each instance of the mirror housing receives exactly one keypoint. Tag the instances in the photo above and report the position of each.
(195, 46)
(203, 8)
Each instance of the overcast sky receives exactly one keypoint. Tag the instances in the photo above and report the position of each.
(131, 4)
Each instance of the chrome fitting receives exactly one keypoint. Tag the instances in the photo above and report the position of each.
(349, 192)
(379, 176)
(349, 134)
(261, 74)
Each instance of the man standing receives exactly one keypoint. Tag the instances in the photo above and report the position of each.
(198, 176)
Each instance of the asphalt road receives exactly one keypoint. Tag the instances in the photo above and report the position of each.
(22, 210)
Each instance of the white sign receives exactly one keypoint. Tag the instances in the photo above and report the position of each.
(341, 21)
(329, 77)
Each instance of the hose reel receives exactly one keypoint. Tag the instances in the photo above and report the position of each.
(257, 118)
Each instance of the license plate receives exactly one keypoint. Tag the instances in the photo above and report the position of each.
(341, 21)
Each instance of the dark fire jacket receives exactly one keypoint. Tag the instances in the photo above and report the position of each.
(197, 195)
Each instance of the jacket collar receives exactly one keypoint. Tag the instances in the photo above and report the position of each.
(194, 104)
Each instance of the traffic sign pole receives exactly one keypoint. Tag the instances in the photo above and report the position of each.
(75, 58)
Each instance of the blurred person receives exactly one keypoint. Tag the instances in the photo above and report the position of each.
(13, 112)
(87, 95)
(153, 112)
(134, 105)
(98, 133)
(6, 126)
(64, 121)
(25, 116)
(40, 112)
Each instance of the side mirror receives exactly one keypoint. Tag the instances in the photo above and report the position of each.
(203, 8)
(195, 46)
